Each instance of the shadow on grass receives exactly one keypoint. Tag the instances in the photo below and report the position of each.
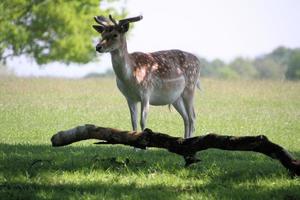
(224, 173)
(21, 158)
(119, 191)
(98, 190)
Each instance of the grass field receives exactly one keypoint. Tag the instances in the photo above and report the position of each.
(32, 110)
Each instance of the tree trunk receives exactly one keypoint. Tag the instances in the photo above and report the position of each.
(184, 147)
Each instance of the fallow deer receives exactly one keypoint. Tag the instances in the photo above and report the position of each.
(158, 78)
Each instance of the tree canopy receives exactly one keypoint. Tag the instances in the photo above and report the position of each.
(293, 64)
(281, 63)
(49, 31)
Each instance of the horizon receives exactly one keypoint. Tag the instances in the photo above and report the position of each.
(220, 30)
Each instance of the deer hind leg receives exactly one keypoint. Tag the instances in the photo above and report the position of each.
(179, 106)
(144, 113)
(188, 99)
(133, 114)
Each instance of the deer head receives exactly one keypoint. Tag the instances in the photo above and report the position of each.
(112, 32)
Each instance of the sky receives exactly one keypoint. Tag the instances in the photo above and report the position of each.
(208, 28)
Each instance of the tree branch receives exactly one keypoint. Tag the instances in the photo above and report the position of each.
(184, 147)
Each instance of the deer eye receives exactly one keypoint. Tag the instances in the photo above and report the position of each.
(115, 35)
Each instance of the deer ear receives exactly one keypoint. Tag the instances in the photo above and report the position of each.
(124, 28)
(98, 28)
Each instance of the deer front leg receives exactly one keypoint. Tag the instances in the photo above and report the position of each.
(144, 112)
(133, 113)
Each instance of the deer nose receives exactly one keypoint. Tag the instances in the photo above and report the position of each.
(98, 48)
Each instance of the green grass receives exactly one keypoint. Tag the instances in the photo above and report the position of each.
(32, 110)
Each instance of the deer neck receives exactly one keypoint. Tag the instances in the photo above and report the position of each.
(120, 61)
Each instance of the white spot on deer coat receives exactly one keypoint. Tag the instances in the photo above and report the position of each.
(154, 67)
(140, 74)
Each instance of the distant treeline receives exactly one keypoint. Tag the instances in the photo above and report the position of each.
(281, 63)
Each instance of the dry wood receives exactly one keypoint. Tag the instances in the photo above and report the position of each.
(184, 147)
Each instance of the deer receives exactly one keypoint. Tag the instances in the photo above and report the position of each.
(159, 78)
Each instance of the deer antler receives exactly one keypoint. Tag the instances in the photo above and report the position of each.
(131, 19)
(111, 23)
(113, 20)
(102, 21)
(105, 22)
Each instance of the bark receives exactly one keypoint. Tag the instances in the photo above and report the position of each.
(184, 147)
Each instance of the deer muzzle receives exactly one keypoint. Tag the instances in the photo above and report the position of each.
(99, 48)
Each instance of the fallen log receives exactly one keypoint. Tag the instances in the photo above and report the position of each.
(184, 147)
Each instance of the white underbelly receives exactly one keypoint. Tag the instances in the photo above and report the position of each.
(167, 91)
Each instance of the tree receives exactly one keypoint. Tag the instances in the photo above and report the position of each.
(205, 67)
(211, 69)
(280, 55)
(293, 70)
(226, 72)
(49, 30)
(217, 63)
(244, 68)
(269, 68)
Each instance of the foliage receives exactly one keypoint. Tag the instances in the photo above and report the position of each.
(49, 30)
(32, 110)
(268, 68)
(280, 55)
(282, 63)
(293, 70)
(243, 67)
(227, 72)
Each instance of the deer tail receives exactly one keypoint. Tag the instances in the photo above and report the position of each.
(198, 84)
